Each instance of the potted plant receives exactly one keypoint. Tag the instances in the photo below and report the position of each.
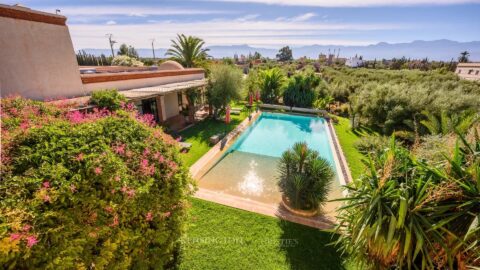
(305, 179)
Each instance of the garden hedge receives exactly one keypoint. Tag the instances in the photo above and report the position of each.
(103, 190)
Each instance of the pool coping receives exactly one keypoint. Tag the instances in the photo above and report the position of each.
(274, 210)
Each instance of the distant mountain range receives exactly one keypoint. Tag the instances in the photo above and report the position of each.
(434, 50)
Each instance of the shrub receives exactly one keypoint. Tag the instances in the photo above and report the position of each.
(405, 213)
(372, 144)
(125, 60)
(103, 190)
(109, 99)
(224, 85)
(305, 177)
(270, 83)
(301, 90)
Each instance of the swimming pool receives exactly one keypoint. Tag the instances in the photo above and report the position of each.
(249, 167)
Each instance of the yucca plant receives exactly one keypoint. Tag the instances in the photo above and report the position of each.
(407, 214)
(305, 177)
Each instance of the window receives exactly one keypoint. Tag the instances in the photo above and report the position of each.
(476, 73)
(470, 71)
(459, 71)
(180, 99)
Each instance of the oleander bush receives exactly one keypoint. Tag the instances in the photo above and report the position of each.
(103, 190)
(109, 99)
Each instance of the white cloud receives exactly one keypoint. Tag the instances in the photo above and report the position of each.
(247, 18)
(303, 17)
(266, 33)
(111, 22)
(353, 3)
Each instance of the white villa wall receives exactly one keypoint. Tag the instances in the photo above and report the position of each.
(171, 105)
(37, 60)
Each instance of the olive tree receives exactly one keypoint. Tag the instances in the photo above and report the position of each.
(225, 84)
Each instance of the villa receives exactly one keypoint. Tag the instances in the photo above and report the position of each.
(468, 71)
(38, 62)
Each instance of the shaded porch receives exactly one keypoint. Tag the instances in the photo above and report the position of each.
(170, 104)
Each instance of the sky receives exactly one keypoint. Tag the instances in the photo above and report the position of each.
(265, 23)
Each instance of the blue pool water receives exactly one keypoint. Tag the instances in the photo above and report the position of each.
(273, 133)
(249, 168)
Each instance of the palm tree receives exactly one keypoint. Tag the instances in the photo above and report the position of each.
(270, 83)
(463, 58)
(448, 123)
(305, 177)
(187, 50)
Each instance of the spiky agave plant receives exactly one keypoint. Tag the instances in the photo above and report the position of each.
(407, 214)
(305, 177)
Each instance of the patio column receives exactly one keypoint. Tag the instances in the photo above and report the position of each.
(161, 108)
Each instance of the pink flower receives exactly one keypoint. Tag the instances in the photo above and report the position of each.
(117, 178)
(24, 125)
(79, 157)
(26, 228)
(149, 216)
(46, 198)
(73, 188)
(109, 209)
(31, 241)
(146, 152)
(146, 169)
(75, 117)
(15, 236)
(167, 214)
(131, 193)
(119, 149)
(115, 221)
(179, 139)
(161, 159)
(148, 119)
(98, 170)
(124, 189)
(46, 184)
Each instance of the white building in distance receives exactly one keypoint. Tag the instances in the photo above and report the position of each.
(354, 62)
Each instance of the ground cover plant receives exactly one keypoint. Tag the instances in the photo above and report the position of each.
(80, 190)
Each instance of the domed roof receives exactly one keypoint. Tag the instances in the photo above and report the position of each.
(170, 65)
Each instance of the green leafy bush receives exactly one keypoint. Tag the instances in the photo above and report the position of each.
(406, 213)
(270, 82)
(305, 177)
(301, 90)
(224, 86)
(125, 60)
(99, 190)
(372, 144)
(108, 98)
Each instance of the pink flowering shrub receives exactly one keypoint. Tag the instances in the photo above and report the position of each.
(83, 189)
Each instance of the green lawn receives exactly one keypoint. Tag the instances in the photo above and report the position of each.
(220, 237)
(199, 135)
(347, 138)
